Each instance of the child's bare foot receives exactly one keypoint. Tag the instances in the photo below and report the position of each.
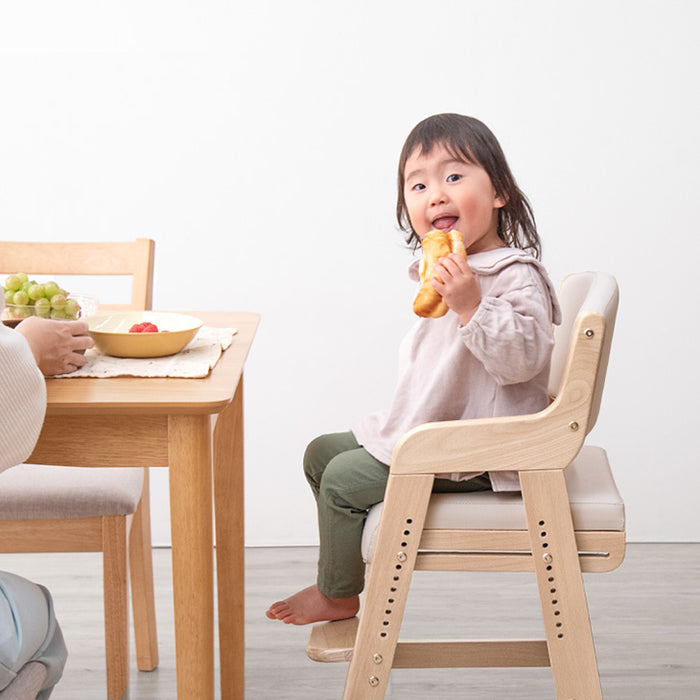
(310, 605)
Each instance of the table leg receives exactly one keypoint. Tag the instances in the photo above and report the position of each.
(189, 455)
(230, 554)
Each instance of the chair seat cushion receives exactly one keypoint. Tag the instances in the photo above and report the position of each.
(595, 504)
(32, 491)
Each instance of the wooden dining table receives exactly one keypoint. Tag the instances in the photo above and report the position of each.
(195, 428)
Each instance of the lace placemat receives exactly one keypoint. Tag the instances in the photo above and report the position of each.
(195, 360)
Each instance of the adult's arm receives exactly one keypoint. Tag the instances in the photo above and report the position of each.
(22, 398)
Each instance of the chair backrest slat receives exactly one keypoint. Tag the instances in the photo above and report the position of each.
(133, 258)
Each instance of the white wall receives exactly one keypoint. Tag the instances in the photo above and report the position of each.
(256, 142)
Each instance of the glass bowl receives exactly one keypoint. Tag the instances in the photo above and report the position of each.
(78, 306)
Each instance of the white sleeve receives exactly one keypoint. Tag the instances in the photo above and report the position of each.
(511, 332)
(22, 399)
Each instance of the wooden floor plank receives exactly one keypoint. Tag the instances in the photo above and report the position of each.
(645, 616)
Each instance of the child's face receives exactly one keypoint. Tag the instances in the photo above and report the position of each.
(444, 193)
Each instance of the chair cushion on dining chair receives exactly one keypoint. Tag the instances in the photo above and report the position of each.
(595, 504)
(46, 492)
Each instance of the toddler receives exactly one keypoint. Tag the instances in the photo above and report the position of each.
(488, 356)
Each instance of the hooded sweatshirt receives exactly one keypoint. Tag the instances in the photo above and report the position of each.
(496, 365)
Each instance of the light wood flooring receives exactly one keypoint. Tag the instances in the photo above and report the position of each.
(645, 616)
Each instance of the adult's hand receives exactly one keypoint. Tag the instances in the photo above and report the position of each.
(58, 346)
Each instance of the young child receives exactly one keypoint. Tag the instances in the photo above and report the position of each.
(488, 356)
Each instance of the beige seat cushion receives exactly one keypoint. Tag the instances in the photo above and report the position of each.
(595, 504)
(30, 491)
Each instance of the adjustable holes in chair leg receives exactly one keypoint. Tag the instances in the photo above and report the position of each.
(551, 579)
(401, 558)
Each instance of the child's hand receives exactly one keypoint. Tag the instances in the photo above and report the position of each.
(459, 287)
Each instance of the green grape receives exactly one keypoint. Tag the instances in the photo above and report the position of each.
(9, 296)
(42, 308)
(36, 291)
(20, 298)
(50, 289)
(21, 312)
(58, 314)
(22, 277)
(58, 302)
(13, 283)
(72, 308)
(18, 312)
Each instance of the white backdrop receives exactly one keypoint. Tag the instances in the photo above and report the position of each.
(257, 142)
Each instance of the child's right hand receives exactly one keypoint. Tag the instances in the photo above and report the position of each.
(459, 287)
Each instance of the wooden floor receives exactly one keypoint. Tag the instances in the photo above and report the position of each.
(645, 615)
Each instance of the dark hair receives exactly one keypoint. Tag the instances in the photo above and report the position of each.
(467, 139)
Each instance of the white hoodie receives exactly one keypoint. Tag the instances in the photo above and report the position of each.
(496, 365)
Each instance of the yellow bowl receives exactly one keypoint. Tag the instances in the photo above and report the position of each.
(111, 333)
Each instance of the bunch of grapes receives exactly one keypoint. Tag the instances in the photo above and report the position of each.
(25, 297)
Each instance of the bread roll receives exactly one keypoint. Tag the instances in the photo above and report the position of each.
(436, 244)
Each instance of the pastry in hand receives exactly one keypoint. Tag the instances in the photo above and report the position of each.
(436, 244)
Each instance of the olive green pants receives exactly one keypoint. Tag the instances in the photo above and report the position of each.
(346, 481)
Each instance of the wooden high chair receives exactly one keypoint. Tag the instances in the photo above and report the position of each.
(569, 518)
(76, 509)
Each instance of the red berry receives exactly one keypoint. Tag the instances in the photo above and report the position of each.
(137, 328)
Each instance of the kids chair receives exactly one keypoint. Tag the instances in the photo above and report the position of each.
(74, 509)
(568, 518)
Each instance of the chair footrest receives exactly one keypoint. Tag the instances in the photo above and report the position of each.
(332, 642)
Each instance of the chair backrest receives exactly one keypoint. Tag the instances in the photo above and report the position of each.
(580, 292)
(133, 258)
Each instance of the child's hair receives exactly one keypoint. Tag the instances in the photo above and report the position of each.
(469, 140)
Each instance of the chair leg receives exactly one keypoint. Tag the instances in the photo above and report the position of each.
(562, 595)
(402, 519)
(142, 594)
(114, 565)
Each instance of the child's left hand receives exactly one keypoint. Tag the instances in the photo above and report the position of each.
(459, 287)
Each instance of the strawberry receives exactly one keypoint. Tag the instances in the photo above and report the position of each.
(145, 327)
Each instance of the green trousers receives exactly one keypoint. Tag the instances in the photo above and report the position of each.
(346, 481)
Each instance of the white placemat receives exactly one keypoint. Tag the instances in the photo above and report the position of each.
(195, 360)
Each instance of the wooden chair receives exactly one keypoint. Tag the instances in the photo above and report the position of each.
(73, 509)
(568, 518)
